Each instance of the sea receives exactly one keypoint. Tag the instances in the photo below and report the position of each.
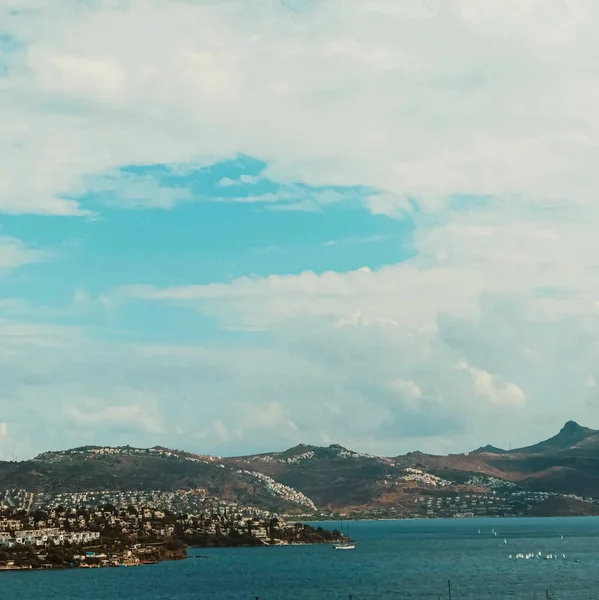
(461, 559)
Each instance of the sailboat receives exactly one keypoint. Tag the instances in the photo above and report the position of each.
(345, 545)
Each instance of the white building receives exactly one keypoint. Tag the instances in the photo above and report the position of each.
(44, 537)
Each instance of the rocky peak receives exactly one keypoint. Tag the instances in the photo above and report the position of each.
(572, 427)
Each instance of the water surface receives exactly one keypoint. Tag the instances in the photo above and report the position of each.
(393, 560)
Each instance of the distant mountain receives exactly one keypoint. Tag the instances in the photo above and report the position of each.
(303, 453)
(569, 436)
(305, 476)
(490, 450)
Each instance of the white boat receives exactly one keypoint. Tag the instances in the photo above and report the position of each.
(349, 545)
(344, 546)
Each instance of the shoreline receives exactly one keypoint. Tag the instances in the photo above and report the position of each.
(187, 556)
(327, 543)
(481, 518)
(29, 568)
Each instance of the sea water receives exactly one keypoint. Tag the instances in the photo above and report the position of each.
(392, 560)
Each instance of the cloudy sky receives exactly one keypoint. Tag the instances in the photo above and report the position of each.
(235, 225)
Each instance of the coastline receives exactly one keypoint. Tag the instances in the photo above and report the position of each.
(181, 555)
(108, 554)
(46, 560)
(53, 567)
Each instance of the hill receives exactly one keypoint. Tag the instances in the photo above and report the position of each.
(569, 436)
(95, 468)
(490, 450)
(564, 507)
(304, 477)
(331, 476)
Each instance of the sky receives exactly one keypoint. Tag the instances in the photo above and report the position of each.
(231, 226)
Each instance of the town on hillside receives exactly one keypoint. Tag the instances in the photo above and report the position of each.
(105, 535)
(421, 495)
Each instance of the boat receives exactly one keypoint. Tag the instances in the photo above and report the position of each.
(349, 545)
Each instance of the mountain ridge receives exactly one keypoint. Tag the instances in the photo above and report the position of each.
(571, 434)
(306, 476)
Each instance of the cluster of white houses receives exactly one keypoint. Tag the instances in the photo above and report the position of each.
(46, 537)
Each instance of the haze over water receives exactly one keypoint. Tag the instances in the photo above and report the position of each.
(394, 559)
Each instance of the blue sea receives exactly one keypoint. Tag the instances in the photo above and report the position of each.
(392, 560)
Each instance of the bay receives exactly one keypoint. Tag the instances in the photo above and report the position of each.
(392, 560)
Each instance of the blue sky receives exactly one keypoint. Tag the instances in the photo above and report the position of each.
(232, 229)
(213, 236)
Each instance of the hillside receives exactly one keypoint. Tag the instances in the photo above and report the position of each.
(331, 478)
(569, 436)
(95, 468)
(564, 507)
(490, 449)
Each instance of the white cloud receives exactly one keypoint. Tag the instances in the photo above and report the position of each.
(516, 303)
(243, 180)
(416, 99)
(266, 418)
(126, 190)
(425, 103)
(487, 386)
(408, 389)
(18, 335)
(113, 416)
(376, 388)
(221, 431)
(547, 264)
(14, 253)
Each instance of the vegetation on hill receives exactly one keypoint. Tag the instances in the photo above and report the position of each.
(332, 477)
(559, 506)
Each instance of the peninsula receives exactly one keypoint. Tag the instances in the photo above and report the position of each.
(109, 536)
